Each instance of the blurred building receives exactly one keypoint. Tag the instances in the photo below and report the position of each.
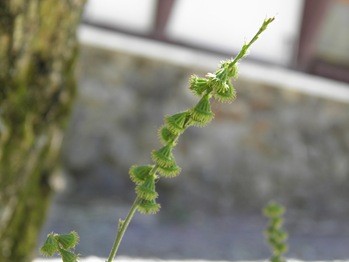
(310, 35)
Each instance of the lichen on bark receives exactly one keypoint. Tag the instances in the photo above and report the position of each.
(38, 50)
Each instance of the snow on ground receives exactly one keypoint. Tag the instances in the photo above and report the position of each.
(127, 259)
(121, 259)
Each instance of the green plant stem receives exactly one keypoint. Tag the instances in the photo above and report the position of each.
(122, 228)
(123, 224)
(244, 49)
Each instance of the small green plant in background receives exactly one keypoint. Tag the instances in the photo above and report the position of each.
(62, 244)
(215, 85)
(275, 235)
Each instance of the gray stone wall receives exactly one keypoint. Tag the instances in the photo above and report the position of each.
(270, 143)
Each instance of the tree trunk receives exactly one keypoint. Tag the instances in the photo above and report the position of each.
(38, 49)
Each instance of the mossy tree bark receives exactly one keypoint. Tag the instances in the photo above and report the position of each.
(38, 49)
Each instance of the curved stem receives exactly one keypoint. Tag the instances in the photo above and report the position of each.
(123, 224)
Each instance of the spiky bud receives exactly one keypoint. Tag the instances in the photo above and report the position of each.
(139, 173)
(198, 85)
(225, 95)
(215, 82)
(169, 171)
(68, 240)
(68, 256)
(166, 136)
(163, 157)
(176, 123)
(147, 189)
(231, 68)
(50, 247)
(202, 114)
(273, 210)
(276, 236)
(148, 207)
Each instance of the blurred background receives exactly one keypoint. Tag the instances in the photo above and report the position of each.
(285, 138)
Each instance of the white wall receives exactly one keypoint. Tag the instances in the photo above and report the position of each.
(226, 24)
(221, 24)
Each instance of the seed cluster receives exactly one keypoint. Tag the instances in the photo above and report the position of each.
(62, 244)
(217, 85)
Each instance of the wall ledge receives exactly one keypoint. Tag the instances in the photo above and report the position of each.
(263, 73)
